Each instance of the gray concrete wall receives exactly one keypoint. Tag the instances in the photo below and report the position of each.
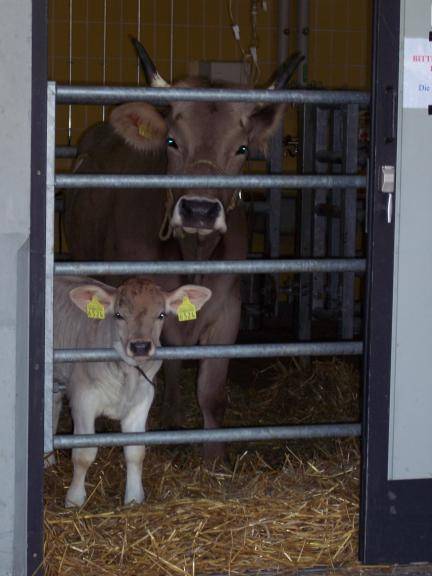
(15, 121)
(411, 392)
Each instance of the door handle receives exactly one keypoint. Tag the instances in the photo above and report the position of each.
(387, 186)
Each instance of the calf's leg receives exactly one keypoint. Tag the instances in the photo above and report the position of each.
(84, 415)
(135, 421)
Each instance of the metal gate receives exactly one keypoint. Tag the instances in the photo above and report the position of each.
(61, 94)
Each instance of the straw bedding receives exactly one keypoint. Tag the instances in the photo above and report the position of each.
(271, 507)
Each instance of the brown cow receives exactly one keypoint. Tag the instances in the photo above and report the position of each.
(194, 138)
(87, 314)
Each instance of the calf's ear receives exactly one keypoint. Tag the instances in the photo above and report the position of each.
(82, 295)
(197, 295)
(140, 125)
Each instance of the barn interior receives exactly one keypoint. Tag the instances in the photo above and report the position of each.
(272, 507)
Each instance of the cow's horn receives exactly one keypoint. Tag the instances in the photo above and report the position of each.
(154, 79)
(285, 71)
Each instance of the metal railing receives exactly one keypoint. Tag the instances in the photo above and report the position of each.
(109, 95)
(215, 267)
(114, 95)
(249, 181)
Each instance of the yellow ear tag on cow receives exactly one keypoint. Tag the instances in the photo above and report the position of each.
(95, 309)
(186, 311)
(145, 131)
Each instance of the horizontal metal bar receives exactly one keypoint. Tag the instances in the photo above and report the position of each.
(79, 94)
(218, 435)
(66, 151)
(234, 351)
(218, 181)
(211, 267)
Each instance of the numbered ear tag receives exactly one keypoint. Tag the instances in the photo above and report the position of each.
(95, 309)
(186, 311)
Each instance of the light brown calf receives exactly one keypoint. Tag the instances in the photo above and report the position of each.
(89, 314)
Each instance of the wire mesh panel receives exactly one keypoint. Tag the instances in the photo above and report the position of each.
(89, 43)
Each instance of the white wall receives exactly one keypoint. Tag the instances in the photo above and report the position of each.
(15, 122)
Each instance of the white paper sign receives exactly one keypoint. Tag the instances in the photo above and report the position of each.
(417, 89)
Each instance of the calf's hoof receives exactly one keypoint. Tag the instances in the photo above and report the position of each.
(134, 497)
(75, 498)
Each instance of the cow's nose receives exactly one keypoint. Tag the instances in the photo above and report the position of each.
(200, 210)
(140, 347)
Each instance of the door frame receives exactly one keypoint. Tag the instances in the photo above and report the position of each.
(37, 288)
(396, 516)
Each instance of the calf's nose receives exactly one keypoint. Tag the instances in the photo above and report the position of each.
(140, 347)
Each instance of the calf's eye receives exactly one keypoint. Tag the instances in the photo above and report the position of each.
(242, 150)
(118, 316)
(171, 142)
(162, 315)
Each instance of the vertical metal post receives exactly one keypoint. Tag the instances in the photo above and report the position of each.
(275, 164)
(307, 126)
(284, 8)
(303, 39)
(138, 38)
(104, 53)
(350, 163)
(335, 229)
(319, 249)
(49, 265)
(70, 68)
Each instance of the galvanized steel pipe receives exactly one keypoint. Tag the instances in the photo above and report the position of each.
(221, 351)
(113, 95)
(263, 434)
(211, 267)
(217, 181)
(66, 151)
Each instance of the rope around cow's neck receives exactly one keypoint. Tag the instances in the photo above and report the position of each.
(166, 228)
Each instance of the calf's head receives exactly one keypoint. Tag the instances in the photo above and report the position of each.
(200, 138)
(138, 307)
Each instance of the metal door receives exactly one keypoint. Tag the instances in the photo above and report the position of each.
(396, 522)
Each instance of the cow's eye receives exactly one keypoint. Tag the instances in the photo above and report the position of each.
(172, 143)
(242, 150)
(118, 316)
(162, 315)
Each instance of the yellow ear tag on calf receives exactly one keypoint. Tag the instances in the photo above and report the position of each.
(186, 311)
(95, 309)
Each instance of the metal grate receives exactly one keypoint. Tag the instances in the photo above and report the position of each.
(164, 268)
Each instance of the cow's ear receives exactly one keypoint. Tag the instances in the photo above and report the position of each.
(140, 125)
(83, 295)
(264, 119)
(262, 123)
(197, 295)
